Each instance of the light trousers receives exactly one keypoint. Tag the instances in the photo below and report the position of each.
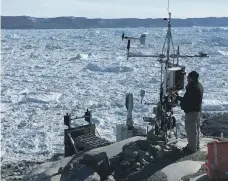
(192, 128)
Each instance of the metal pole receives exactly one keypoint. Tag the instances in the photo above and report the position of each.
(169, 36)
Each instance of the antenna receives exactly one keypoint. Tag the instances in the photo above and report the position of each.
(168, 6)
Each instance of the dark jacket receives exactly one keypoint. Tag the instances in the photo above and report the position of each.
(192, 100)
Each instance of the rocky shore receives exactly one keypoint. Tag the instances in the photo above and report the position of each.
(137, 158)
(16, 171)
(214, 124)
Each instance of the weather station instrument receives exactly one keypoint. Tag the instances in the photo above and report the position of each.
(172, 76)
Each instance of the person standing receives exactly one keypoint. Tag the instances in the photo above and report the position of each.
(191, 104)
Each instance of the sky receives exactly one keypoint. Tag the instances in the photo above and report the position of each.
(115, 8)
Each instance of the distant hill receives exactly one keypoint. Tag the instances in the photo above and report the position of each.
(26, 22)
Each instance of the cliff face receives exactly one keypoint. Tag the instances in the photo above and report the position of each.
(25, 22)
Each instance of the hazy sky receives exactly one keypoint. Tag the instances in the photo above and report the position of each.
(115, 8)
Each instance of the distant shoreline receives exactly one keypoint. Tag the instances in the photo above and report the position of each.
(26, 22)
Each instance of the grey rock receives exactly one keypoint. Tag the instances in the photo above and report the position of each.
(138, 169)
(184, 168)
(16, 170)
(131, 146)
(129, 159)
(98, 161)
(144, 162)
(47, 170)
(140, 144)
(214, 124)
(115, 160)
(143, 144)
(121, 156)
(202, 177)
(135, 166)
(156, 151)
(158, 176)
(151, 159)
(110, 178)
(80, 173)
(112, 152)
(167, 152)
(128, 171)
(124, 165)
(144, 155)
(130, 153)
(57, 157)
(118, 171)
(54, 178)
(116, 148)
(166, 147)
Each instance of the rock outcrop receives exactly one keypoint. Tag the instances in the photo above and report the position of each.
(136, 158)
(176, 171)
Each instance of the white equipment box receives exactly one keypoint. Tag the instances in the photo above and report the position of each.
(174, 79)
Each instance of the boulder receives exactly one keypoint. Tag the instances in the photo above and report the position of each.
(202, 177)
(215, 124)
(129, 152)
(80, 173)
(158, 176)
(47, 170)
(112, 156)
(110, 178)
(125, 165)
(156, 151)
(176, 171)
(167, 150)
(115, 161)
(181, 143)
(132, 146)
(151, 159)
(143, 144)
(135, 166)
(116, 148)
(144, 155)
(54, 178)
(98, 161)
(144, 162)
(131, 160)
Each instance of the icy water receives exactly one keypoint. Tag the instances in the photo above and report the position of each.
(46, 73)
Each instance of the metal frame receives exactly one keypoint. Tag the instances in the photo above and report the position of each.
(81, 138)
(166, 114)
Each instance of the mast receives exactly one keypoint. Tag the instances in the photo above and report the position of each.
(168, 71)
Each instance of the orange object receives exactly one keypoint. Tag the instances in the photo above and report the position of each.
(217, 160)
